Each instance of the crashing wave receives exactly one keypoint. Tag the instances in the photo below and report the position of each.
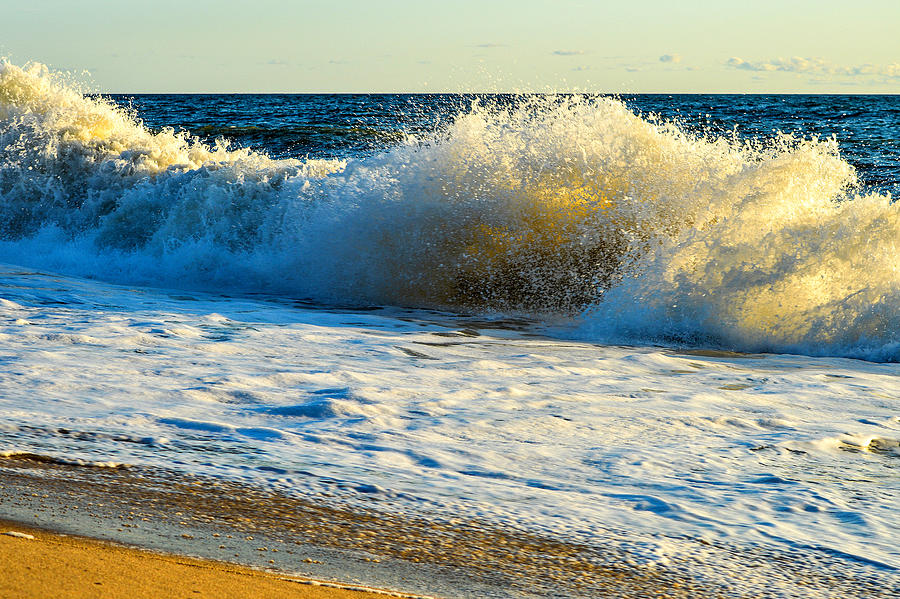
(548, 204)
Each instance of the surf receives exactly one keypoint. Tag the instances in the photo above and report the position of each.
(548, 205)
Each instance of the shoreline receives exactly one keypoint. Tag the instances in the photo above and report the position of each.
(239, 527)
(229, 522)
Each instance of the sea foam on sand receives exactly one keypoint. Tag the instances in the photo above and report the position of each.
(438, 415)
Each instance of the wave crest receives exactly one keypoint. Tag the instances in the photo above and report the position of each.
(545, 204)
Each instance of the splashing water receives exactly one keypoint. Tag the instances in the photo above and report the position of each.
(550, 204)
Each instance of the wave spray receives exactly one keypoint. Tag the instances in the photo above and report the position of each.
(568, 205)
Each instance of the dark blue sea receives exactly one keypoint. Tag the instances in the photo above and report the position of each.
(867, 127)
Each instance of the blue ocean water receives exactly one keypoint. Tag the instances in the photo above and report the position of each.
(867, 127)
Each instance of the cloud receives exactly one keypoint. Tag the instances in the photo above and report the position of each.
(816, 66)
(490, 45)
(796, 64)
(673, 58)
(568, 52)
(891, 71)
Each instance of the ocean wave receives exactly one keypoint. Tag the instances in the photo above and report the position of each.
(549, 204)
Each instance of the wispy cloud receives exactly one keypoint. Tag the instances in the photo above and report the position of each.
(791, 65)
(816, 66)
(568, 52)
(490, 45)
(673, 58)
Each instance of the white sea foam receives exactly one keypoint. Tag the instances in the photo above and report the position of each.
(552, 205)
(653, 450)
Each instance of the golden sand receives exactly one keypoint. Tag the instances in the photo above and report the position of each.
(51, 565)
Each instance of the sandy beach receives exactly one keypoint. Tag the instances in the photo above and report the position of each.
(39, 564)
(224, 525)
(150, 534)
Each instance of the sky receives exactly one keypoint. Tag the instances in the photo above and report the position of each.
(646, 46)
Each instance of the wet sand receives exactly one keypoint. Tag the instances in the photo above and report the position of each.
(318, 539)
(227, 523)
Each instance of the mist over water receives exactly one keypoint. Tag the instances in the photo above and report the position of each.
(640, 229)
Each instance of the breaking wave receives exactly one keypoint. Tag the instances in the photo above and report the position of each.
(550, 204)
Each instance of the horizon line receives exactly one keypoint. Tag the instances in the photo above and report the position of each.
(483, 93)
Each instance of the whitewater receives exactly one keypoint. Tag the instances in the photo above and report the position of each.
(553, 313)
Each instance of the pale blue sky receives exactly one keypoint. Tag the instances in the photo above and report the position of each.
(463, 45)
